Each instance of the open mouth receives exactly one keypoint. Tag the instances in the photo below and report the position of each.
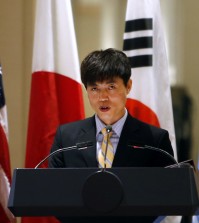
(104, 108)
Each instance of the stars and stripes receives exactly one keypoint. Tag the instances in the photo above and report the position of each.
(5, 170)
(2, 97)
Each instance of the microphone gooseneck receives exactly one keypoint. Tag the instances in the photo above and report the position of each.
(78, 146)
(158, 150)
(163, 151)
(108, 130)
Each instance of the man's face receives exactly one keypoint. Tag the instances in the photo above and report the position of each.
(108, 99)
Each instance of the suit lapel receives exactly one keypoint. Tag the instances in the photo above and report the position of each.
(129, 133)
(88, 133)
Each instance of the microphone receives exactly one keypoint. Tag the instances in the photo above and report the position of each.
(78, 146)
(108, 130)
(158, 150)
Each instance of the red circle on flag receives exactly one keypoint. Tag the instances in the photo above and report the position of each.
(142, 112)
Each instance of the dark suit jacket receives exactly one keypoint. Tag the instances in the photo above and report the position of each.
(134, 131)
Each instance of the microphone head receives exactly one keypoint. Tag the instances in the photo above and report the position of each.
(84, 144)
(108, 128)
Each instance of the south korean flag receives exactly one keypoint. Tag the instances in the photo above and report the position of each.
(144, 44)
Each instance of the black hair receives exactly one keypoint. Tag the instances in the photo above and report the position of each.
(101, 65)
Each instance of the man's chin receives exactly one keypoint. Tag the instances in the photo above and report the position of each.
(106, 119)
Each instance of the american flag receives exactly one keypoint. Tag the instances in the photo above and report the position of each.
(2, 97)
(5, 171)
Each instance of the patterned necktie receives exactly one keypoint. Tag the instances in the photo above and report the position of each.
(106, 145)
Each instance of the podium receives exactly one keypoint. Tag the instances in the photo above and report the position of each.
(136, 192)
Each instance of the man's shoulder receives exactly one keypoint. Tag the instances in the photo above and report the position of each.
(78, 124)
(143, 125)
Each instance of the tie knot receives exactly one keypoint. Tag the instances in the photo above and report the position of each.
(104, 132)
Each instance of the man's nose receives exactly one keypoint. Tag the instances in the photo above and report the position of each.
(103, 95)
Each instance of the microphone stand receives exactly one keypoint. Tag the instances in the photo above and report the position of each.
(163, 151)
(108, 130)
(106, 152)
(78, 146)
(176, 163)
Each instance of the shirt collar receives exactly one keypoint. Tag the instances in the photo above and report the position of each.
(117, 127)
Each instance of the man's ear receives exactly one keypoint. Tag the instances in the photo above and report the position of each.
(129, 85)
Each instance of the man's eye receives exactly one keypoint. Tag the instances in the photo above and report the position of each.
(111, 87)
(94, 89)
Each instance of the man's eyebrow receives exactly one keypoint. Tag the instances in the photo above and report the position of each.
(99, 83)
